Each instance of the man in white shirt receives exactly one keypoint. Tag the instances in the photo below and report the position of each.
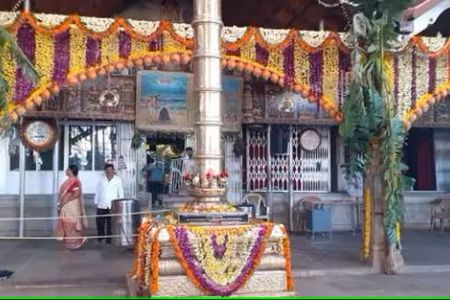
(109, 188)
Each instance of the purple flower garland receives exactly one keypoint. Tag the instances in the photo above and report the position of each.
(219, 250)
(208, 284)
(431, 74)
(26, 40)
(288, 65)
(315, 75)
(156, 44)
(62, 56)
(414, 73)
(124, 44)
(262, 55)
(93, 51)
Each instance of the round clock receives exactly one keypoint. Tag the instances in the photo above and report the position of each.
(39, 135)
(310, 139)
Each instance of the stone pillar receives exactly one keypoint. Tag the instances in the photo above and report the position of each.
(207, 25)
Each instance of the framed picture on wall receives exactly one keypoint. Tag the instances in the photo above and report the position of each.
(165, 102)
(162, 102)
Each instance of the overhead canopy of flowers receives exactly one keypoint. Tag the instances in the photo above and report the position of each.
(70, 49)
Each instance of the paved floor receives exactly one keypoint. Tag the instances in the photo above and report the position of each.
(376, 285)
(45, 268)
(368, 285)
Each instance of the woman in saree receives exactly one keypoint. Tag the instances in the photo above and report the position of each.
(72, 217)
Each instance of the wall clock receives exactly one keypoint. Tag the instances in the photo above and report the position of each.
(40, 134)
(310, 139)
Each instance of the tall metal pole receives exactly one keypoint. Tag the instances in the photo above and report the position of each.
(21, 189)
(55, 180)
(26, 6)
(290, 186)
(207, 25)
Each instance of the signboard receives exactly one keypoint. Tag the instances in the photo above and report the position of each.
(165, 102)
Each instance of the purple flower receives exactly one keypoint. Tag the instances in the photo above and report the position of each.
(208, 284)
(288, 64)
(344, 66)
(62, 56)
(431, 74)
(26, 40)
(93, 47)
(156, 43)
(219, 250)
(124, 44)
(262, 55)
(315, 75)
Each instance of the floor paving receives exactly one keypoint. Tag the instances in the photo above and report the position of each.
(322, 267)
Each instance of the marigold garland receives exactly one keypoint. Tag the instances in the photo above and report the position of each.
(245, 47)
(367, 230)
(290, 283)
(77, 51)
(155, 252)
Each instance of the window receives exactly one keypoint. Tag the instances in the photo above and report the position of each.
(80, 147)
(87, 146)
(105, 145)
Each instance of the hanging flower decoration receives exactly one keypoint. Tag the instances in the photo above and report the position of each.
(313, 65)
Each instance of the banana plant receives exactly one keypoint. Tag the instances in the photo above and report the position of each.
(369, 110)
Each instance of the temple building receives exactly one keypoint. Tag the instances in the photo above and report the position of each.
(283, 93)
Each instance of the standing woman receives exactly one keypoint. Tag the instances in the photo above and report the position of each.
(72, 217)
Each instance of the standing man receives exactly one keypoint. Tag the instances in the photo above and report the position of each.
(155, 180)
(188, 163)
(109, 188)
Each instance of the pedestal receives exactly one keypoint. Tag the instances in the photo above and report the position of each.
(160, 272)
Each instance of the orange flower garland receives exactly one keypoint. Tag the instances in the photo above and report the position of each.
(155, 252)
(367, 229)
(287, 255)
(178, 49)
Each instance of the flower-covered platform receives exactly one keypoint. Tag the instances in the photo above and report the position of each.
(188, 260)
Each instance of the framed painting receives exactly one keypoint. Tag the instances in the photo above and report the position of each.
(163, 101)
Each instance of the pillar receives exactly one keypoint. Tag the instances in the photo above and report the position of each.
(207, 25)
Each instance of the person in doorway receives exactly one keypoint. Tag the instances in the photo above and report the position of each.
(188, 163)
(72, 217)
(155, 180)
(109, 188)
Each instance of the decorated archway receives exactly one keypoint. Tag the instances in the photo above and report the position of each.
(67, 50)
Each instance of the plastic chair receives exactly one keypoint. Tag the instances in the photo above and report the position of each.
(262, 211)
(441, 212)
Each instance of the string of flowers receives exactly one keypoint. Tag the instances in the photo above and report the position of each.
(120, 46)
(290, 283)
(367, 229)
(197, 271)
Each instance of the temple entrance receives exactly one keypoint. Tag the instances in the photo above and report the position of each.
(164, 162)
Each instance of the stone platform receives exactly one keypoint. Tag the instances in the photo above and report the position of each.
(272, 275)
